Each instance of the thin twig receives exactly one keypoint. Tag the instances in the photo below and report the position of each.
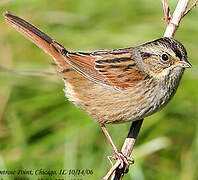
(167, 12)
(113, 168)
(127, 148)
(191, 7)
(176, 18)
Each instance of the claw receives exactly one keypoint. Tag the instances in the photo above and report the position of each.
(125, 160)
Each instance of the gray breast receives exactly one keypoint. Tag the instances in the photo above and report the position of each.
(159, 95)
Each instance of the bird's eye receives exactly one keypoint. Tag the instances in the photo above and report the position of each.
(165, 57)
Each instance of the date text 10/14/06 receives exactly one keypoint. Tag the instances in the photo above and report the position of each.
(76, 172)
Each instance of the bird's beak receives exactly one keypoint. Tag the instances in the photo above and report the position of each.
(183, 63)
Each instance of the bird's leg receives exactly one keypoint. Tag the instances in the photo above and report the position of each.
(118, 155)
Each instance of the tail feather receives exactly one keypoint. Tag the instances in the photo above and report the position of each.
(68, 64)
(42, 40)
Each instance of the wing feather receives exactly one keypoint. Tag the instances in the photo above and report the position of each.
(113, 67)
(109, 67)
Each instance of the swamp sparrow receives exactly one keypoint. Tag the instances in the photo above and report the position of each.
(114, 86)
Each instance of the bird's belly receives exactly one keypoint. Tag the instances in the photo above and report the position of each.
(110, 105)
(132, 106)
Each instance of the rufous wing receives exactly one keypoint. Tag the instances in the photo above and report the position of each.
(111, 67)
(108, 67)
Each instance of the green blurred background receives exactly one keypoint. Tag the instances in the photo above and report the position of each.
(40, 129)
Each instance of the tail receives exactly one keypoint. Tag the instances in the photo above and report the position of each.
(83, 64)
(42, 40)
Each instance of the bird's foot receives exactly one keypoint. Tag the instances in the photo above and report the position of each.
(124, 160)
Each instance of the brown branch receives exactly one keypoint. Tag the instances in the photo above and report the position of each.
(191, 7)
(166, 10)
(127, 148)
(176, 18)
(112, 170)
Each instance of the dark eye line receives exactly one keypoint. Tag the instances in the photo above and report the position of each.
(146, 55)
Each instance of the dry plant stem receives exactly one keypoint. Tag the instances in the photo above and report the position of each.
(129, 143)
(177, 16)
(126, 150)
(192, 6)
(166, 10)
(112, 170)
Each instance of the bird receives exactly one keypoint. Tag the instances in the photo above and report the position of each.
(114, 86)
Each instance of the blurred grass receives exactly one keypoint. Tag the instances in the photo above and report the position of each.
(40, 129)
